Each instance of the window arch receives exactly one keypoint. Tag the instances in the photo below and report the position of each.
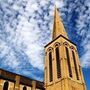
(65, 44)
(58, 63)
(24, 88)
(72, 47)
(50, 67)
(50, 49)
(75, 65)
(68, 62)
(6, 84)
(57, 44)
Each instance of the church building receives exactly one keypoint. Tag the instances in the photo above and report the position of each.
(62, 66)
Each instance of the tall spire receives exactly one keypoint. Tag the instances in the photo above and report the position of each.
(58, 28)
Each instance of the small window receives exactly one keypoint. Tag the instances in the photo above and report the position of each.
(6, 84)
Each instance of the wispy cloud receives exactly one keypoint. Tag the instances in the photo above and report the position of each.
(24, 30)
(83, 26)
(26, 27)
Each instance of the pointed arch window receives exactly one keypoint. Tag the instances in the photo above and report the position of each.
(24, 88)
(58, 63)
(75, 65)
(68, 62)
(50, 67)
(6, 84)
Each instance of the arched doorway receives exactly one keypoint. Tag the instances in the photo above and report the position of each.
(24, 88)
(5, 86)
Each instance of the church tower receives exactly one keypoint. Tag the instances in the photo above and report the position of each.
(62, 64)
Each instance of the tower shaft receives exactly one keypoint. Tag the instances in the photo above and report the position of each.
(62, 64)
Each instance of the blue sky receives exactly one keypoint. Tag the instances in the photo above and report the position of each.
(26, 27)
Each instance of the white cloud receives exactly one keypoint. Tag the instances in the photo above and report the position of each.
(59, 3)
(84, 31)
(86, 55)
(7, 53)
(27, 36)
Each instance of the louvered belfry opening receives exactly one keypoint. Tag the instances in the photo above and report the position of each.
(50, 67)
(68, 62)
(75, 65)
(58, 63)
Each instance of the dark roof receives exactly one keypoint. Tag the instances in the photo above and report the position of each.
(57, 38)
(7, 75)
